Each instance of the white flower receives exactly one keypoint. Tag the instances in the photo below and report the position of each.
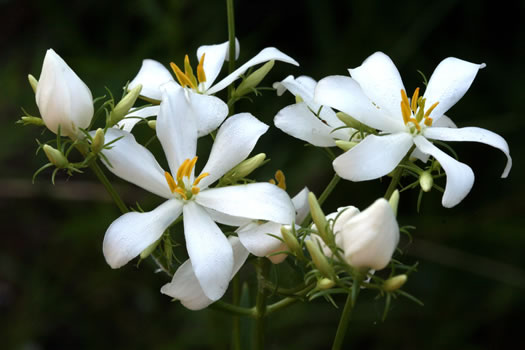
(200, 86)
(209, 251)
(185, 286)
(368, 238)
(62, 98)
(375, 96)
(299, 120)
(258, 238)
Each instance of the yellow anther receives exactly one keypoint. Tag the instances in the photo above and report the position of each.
(416, 124)
(181, 192)
(171, 182)
(404, 98)
(190, 166)
(405, 111)
(414, 100)
(200, 70)
(427, 113)
(180, 172)
(428, 121)
(281, 179)
(183, 79)
(199, 178)
(195, 190)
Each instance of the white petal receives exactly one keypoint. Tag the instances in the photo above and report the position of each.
(302, 207)
(449, 82)
(135, 163)
(297, 120)
(214, 59)
(234, 141)
(210, 253)
(475, 135)
(152, 75)
(373, 157)
(267, 54)
(176, 126)
(133, 232)
(185, 287)
(225, 219)
(444, 122)
(258, 201)
(460, 177)
(257, 239)
(62, 97)
(135, 116)
(345, 94)
(210, 112)
(416, 153)
(381, 82)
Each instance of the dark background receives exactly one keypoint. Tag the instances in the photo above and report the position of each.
(56, 291)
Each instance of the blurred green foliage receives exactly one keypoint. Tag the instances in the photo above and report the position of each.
(56, 291)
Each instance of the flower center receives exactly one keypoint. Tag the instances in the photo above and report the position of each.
(188, 78)
(181, 186)
(414, 112)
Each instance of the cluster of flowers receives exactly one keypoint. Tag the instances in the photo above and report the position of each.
(376, 125)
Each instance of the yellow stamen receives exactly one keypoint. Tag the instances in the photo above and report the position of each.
(180, 172)
(199, 178)
(171, 182)
(190, 166)
(404, 98)
(272, 181)
(195, 190)
(405, 111)
(181, 192)
(414, 100)
(200, 70)
(428, 121)
(183, 79)
(414, 121)
(427, 113)
(281, 179)
(189, 71)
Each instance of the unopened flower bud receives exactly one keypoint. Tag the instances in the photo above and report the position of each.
(152, 124)
(325, 283)
(55, 157)
(345, 145)
(319, 259)
(318, 216)
(98, 141)
(394, 201)
(245, 167)
(291, 241)
(62, 98)
(394, 283)
(33, 82)
(353, 123)
(426, 181)
(29, 120)
(253, 80)
(122, 108)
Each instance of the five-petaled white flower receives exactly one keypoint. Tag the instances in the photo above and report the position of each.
(376, 97)
(210, 111)
(208, 248)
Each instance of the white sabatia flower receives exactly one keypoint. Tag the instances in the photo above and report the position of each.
(300, 120)
(260, 238)
(62, 98)
(368, 238)
(209, 251)
(376, 97)
(185, 286)
(200, 86)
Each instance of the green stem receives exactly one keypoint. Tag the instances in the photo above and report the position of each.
(394, 182)
(281, 304)
(327, 191)
(233, 309)
(109, 187)
(236, 321)
(231, 51)
(345, 316)
(261, 268)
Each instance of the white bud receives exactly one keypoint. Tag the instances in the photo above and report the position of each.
(62, 98)
(370, 238)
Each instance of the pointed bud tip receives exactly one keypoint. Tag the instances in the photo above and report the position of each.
(394, 201)
(394, 283)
